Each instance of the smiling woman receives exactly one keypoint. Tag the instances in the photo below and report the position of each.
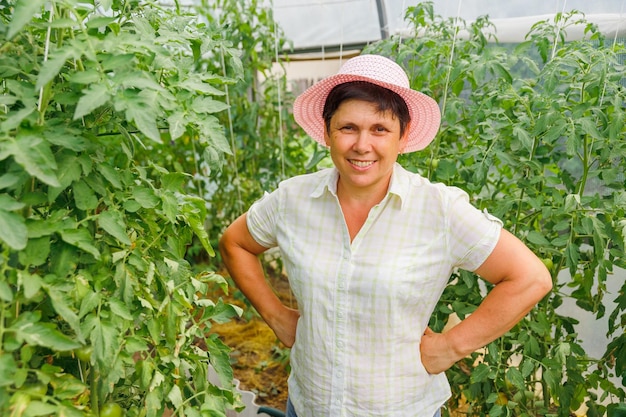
(368, 248)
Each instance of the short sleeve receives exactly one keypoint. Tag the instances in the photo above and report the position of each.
(473, 233)
(262, 219)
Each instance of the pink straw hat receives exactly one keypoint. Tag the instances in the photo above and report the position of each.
(376, 69)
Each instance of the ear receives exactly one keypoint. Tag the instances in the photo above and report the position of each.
(405, 138)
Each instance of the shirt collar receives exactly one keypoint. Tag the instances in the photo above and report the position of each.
(399, 185)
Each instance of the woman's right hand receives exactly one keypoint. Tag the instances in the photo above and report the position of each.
(240, 253)
(284, 325)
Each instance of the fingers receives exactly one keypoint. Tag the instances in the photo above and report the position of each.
(428, 331)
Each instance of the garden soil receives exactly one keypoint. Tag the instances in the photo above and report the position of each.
(259, 360)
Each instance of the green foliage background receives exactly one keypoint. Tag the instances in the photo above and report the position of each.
(132, 134)
(108, 113)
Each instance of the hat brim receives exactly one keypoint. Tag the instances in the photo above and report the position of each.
(423, 110)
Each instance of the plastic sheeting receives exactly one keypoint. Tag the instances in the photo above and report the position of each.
(321, 25)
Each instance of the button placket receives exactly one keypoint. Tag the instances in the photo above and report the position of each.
(339, 360)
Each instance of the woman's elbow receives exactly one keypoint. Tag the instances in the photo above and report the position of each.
(542, 281)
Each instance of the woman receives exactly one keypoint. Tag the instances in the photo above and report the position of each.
(368, 248)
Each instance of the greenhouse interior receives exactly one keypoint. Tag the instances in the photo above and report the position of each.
(134, 135)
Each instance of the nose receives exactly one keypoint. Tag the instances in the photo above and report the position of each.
(362, 142)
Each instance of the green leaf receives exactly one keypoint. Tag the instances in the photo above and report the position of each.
(84, 197)
(69, 172)
(145, 120)
(90, 301)
(61, 306)
(8, 368)
(94, 96)
(115, 62)
(139, 80)
(6, 293)
(98, 22)
(36, 251)
(35, 156)
(52, 66)
(38, 228)
(590, 128)
(46, 335)
(8, 180)
(196, 85)
(550, 379)
(170, 206)
(66, 138)
(480, 373)
(31, 283)
(196, 222)
(537, 238)
(212, 133)
(208, 105)
(523, 136)
(40, 408)
(14, 119)
(572, 257)
(527, 368)
(219, 358)
(516, 378)
(8, 203)
(24, 11)
(111, 175)
(145, 197)
(113, 223)
(13, 230)
(223, 312)
(175, 396)
(89, 76)
(177, 124)
(82, 239)
(119, 309)
(106, 4)
(66, 386)
(104, 338)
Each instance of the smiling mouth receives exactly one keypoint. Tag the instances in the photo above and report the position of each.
(361, 164)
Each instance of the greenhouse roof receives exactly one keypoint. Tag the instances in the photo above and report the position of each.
(324, 25)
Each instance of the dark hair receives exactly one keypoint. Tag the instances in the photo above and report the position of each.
(382, 97)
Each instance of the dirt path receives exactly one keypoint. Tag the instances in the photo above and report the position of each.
(260, 362)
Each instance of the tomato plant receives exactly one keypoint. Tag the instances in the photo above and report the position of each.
(107, 116)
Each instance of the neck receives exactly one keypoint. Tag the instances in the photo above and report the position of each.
(361, 197)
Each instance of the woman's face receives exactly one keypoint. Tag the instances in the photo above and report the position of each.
(364, 145)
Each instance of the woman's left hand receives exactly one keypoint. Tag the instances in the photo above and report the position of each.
(437, 355)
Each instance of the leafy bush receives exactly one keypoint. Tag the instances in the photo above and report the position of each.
(535, 132)
(107, 117)
(267, 144)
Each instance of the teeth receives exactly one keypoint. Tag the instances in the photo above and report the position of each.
(361, 164)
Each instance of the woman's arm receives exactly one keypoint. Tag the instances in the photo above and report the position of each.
(520, 280)
(240, 253)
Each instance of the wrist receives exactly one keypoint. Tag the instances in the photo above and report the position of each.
(458, 345)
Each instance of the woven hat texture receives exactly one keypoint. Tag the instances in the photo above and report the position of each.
(376, 69)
